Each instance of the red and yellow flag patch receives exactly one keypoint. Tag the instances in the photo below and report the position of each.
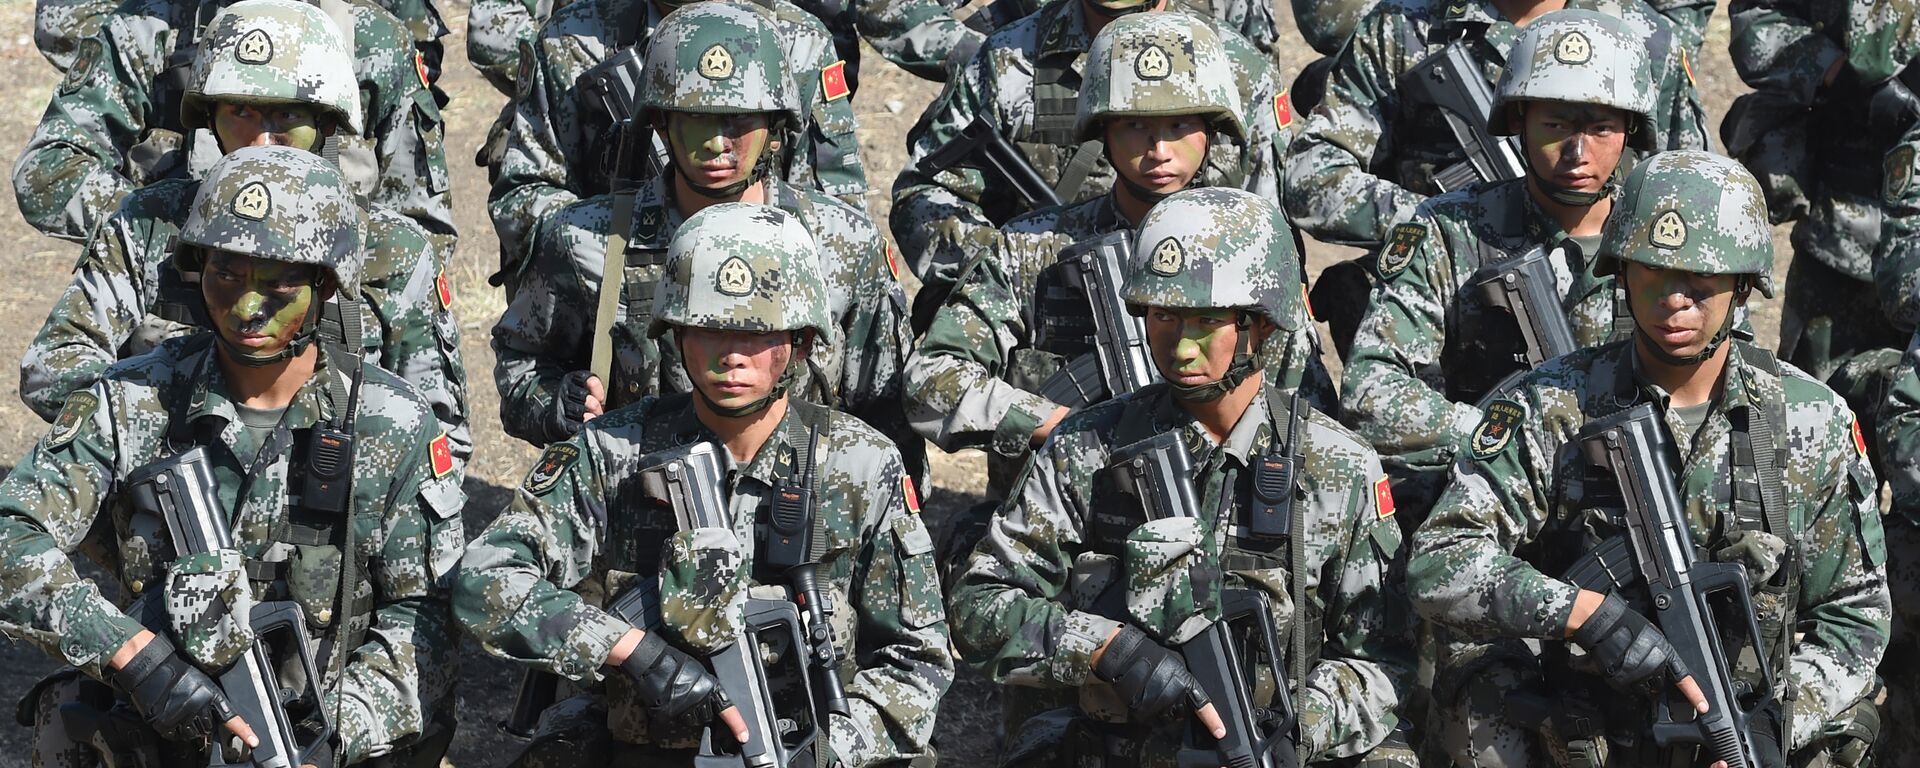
(1383, 497)
(1283, 110)
(908, 495)
(1859, 440)
(893, 263)
(441, 451)
(444, 288)
(420, 67)
(833, 81)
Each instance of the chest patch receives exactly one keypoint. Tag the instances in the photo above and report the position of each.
(1899, 172)
(80, 407)
(1399, 251)
(553, 463)
(1496, 429)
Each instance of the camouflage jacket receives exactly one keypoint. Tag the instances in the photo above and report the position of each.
(126, 297)
(547, 330)
(561, 148)
(1487, 561)
(1366, 157)
(1430, 346)
(973, 379)
(1783, 50)
(1021, 617)
(1007, 81)
(60, 26)
(530, 585)
(113, 124)
(406, 531)
(1897, 273)
(1326, 24)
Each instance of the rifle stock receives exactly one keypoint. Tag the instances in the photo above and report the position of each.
(1092, 273)
(1524, 287)
(1448, 79)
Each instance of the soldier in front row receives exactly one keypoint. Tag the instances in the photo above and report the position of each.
(1770, 473)
(743, 301)
(263, 393)
(1076, 600)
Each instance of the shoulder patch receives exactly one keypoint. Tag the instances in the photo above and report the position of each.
(833, 81)
(1283, 109)
(80, 407)
(908, 495)
(441, 452)
(1686, 64)
(1496, 428)
(91, 51)
(553, 462)
(1399, 251)
(1898, 174)
(1383, 497)
(443, 287)
(420, 68)
(1859, 440)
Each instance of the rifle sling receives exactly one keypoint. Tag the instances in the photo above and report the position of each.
(612, 279)
(1074, 174)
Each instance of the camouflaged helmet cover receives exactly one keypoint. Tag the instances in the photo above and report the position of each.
(1217, 248)
(1158, 63)
(718, 57)
(1692, 211)
(1581, 57)
(273, 52)
(742, 267)
(282, 204)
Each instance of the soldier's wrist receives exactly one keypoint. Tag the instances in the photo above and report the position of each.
(130, 649)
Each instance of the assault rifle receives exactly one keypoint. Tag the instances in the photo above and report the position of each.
(1226, 656)
(181, 491)
(1655, 558)
(1448, 79)
(980, 146)
(1090, 274)
(1524, 286)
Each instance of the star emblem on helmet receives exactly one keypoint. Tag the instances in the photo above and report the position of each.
(253, 202)
(716, 63)
(1669, 230)
(1573, 48)
(734, 278)
(1152, 64)
(1168, 257)
(254, 48)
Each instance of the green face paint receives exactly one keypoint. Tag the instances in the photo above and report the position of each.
(713, 151)
(258, 306)
(245, 125)
(1189, 341)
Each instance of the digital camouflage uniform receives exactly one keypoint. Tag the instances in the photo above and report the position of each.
(390, 673)
(530, 585)
(1830, 157)
(561, 147)
(1025, 80)
(1326, 25)
(1522, 508)
(60, 26)
(1430, 346)
(1024, 616)
(125, 296)
(114, 124)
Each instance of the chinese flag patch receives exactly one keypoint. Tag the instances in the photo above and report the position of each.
(1859, 441)
(909, 495)
(1306, 297)
(1687, 64)
(420, 67)
(441, 450)
(445, 287)
(893, 264)
(1383, 497)
(1282, 110)
(833, 80)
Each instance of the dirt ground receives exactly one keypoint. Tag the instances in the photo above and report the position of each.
(888, 103)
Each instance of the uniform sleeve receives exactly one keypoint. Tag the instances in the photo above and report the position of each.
(542, 337)
(495, 31)
(1776, 46)
(420, 339)
(1261, 110)
(931, 204)
(1899, 432)
(1366, 661)
(1679, 111)
(83, 333)
(903, 651)
(59, 26)
(1386, 399)
(1331, 190)
(832, 131)
(1844, 610)
(47, 504)
(535, 179)
(1463, 571)
(877, 339)
(919, 36)
(70, 177)
(512, 589)
(1009, 622)
(1896, 274)
(405, 124)
(1689, 20)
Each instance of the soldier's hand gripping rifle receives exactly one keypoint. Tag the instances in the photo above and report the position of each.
(1448, 79)
(1525, 288)
(1684, 596)
(1225, 657)
(181, 491)
(980, 146)
(1089, 274)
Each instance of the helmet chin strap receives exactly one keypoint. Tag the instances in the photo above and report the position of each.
(1110, 14)
(1245, 363)
(309, 331)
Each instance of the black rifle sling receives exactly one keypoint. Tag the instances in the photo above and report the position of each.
(804, 438)
(1763, 422)
(1296, 541)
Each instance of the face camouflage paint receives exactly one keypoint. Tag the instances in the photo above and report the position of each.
(716, 151)
(258, 306)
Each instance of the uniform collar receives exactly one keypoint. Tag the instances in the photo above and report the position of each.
(1480, 13)
(211, 399)
(1063, 29)
(1735, 391)
(1250, 436)
(775, 458)
(656, 218)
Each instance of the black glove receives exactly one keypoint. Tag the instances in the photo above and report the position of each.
(1150, 678)
(1766, 731)
(177, 699)
(569, 410)
(1629, 648)
(678, 692)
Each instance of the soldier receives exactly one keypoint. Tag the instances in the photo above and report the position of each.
(975, 379)
(724, 135)
(1431, 345)
(563, 147)
(259, 393)
(126, 297)
(114, 123)
(1025, 81)
(1217, 282)
(1835, 89)
(1690, 242)
(744, 300)
(60, 26)
(1370, 153)
(1326, 25)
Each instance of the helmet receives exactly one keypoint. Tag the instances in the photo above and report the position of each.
(1692, 211)
(742, 267)
(717, 57)
(273, 52)
(1583, 57)
(1217, 248)
(1158, 63)
(277, 203)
